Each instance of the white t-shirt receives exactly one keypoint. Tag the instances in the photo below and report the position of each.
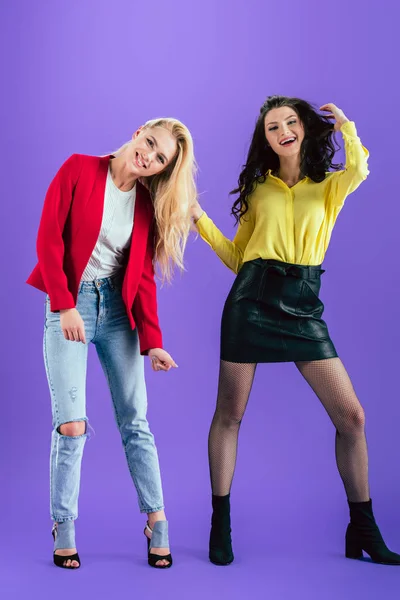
(112, 248)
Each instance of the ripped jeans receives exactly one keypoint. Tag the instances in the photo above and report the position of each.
(103, 311)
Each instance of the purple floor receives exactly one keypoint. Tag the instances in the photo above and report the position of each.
(305, 564)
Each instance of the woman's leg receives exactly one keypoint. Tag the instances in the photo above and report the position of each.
(118, 350)
(330, 381)
(65, 364)
(235, 382)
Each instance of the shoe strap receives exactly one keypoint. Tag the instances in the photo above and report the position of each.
(159, 534)
(64, 535)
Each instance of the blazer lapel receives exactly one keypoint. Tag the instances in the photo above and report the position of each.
(85, 238)
(140, 233)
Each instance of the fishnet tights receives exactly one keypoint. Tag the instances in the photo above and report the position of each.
(234, 387)
(330, 381)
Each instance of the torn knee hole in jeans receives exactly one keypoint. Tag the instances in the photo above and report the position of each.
(75, 430)
(73, 433)
(88, 430)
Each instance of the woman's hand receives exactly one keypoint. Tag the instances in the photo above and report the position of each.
(335, 113)
(161, 360)
(195, 211)
(72, 325)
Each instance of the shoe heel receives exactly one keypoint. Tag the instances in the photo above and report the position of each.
(353, 551)
(353, 548)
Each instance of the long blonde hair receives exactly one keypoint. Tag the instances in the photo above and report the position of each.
(172, 192)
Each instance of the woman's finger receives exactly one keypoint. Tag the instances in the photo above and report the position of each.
(155, 363)
(161, 365)
(170, 361)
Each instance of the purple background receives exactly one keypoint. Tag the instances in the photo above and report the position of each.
(81, 76)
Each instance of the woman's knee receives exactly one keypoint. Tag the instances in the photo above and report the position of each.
(229, 418)
(72, 429)
(353, 421)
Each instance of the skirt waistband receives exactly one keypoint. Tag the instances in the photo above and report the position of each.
(287, 269)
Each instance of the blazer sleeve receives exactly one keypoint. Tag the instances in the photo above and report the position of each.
(50, 244)
(145, 303)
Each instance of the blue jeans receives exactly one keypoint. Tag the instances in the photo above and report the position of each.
(103, 311)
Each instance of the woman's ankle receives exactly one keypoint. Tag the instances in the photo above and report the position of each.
(155, 516)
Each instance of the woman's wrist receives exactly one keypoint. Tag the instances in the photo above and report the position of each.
(343, 122)
(197, 214)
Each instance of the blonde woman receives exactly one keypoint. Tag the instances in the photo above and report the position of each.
(106, 221)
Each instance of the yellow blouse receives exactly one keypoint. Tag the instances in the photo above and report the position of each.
(294, 224)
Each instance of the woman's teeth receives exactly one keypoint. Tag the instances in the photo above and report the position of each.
(288, 141)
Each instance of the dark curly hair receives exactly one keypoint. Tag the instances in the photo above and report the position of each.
(317, 150)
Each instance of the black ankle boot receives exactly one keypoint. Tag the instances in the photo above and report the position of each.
(220, 536)
(363, 534)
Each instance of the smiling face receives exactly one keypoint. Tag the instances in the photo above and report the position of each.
(151, 150)
(284, 131)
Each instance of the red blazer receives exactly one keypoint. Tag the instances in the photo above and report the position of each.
(68, 232)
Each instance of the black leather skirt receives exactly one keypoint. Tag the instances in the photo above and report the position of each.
(273, 314)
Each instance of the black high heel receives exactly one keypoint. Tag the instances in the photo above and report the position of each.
(363, 534)
(220, 548)
(159, 539)
(57, 558)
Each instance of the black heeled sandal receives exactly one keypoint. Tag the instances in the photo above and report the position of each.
(159, 539)
(363, 534)
(66, 539)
